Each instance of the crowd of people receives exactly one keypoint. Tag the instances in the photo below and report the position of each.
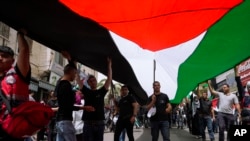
(79, 114)
(217, 113)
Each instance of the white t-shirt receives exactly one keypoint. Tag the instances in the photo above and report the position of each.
(226, 103)
(77, 120)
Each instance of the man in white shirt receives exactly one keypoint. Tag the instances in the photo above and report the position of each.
(227, 102)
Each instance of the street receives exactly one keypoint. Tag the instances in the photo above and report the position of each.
(143, 134)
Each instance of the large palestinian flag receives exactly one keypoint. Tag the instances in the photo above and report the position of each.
(179, 43)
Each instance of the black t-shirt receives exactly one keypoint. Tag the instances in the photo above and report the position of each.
(126, 107)
(205, 107)
(66, 100)
(161, 104)
(94, 98)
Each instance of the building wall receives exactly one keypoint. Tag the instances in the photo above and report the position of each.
(40, 59)
(11, 41)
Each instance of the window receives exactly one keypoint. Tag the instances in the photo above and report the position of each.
(4, 30)
(59, 58)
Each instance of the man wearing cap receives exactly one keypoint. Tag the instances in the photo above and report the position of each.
(159, 121)
(14, 79)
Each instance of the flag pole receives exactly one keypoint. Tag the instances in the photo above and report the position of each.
(154, 70)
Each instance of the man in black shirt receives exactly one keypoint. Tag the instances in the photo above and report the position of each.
(127, 109)
(93, 129)
(66, 100)
(160, 120)
(206, 116)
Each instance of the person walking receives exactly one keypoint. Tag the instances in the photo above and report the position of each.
(206, 116)
(93, 129)
(180, 116)
(227, 101)
(159, 121)
(127, 109)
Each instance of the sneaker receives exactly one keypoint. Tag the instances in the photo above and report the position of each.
(198, 137)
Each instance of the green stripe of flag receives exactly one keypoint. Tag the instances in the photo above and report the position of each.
(226, 44)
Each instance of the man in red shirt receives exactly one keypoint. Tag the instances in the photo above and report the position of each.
(14, 80)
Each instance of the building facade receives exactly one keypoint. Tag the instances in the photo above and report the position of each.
(46, 64)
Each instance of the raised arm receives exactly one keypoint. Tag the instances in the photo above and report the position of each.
(79, 81)
(66, 55)
(23, 59)
(211, 88)
(198, 91)
(109, 76)
(239, 84)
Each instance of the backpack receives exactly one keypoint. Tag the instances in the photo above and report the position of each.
(25, 119)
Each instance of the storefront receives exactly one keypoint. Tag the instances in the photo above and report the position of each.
(227, 77)
(33, 85)
(244, 71)
(44, 89)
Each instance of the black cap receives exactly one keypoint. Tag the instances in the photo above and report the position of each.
(7, 50)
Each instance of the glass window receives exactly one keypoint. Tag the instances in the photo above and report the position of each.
(59, 58)
(4, 30)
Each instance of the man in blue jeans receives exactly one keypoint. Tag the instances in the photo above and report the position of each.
(159, 121)
(206, 114)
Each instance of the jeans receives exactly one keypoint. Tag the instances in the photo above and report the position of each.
(65, 131)
(206, 122)
(224, 121)
(122, 136)
(180, 121)
(28, 139)
(93, 130)
(215, 125)
(156, 126)
(121, 125)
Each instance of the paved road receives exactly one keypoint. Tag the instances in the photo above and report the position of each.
(144, 135)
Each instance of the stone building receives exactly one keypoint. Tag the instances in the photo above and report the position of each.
(46, 64)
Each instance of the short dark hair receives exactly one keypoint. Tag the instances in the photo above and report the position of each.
(124, 86)
(6, 49)
(156, 82)
(90, 76)
(226, 85)
(69, 67)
